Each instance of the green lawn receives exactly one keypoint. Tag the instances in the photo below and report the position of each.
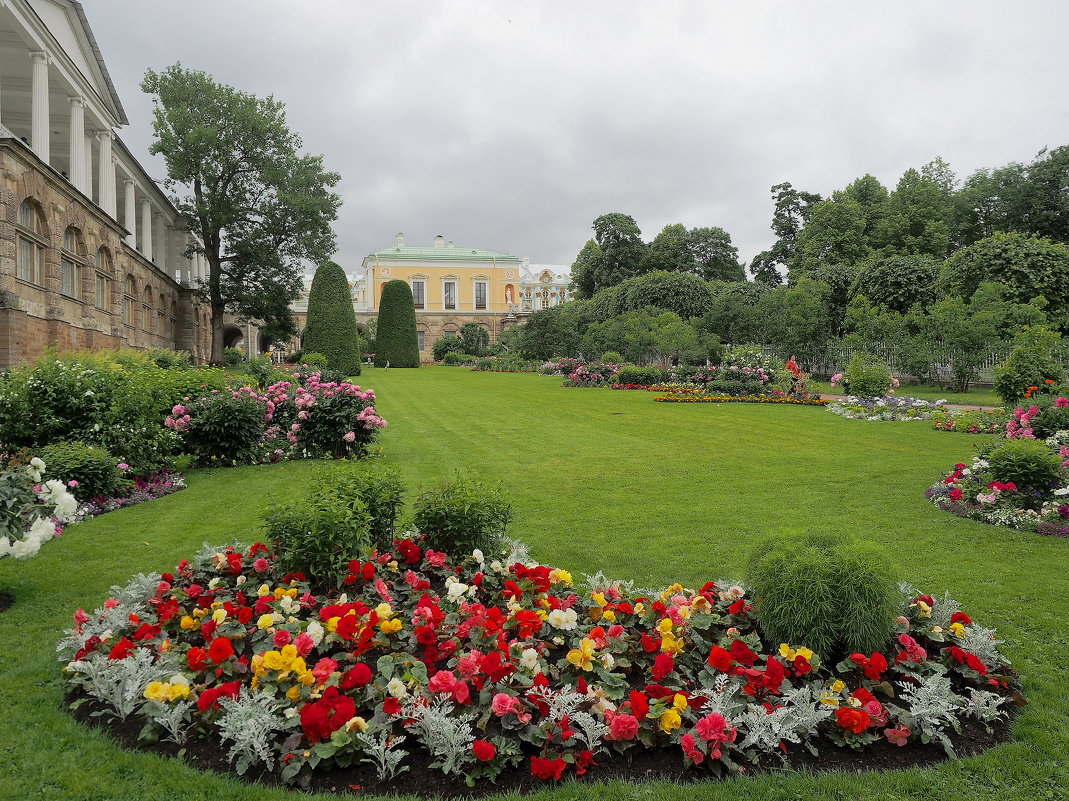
(602, 480)
(978, 396)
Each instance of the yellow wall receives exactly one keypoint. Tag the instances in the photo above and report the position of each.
(464, 277)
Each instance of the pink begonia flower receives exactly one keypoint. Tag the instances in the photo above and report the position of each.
(323, 668)
(503, 703)
(261, 565)
(442, 682)
(899, 736)
(304, 643)
(282, 638)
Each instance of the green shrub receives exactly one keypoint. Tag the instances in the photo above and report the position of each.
(314, 359)
(331, 328)
(463, 514)
(456, 357)
(170, 359)
(233, 357)
(446, 345)
(380, 490)
(1028, 463)
(645, 376)
(1031, 363)
(93, 468)
(825, 591)
(396, 341)
(612, 357)
(262, 371)
(223, 428)
(868, 376)
(320, 536)
(474, 338)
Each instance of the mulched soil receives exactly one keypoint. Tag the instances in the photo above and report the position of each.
(643, 765)
(6, 601)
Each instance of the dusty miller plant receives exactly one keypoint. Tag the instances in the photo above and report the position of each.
(794, 722)
(383, 753)
(982, 642)
(933, 704)
(249, 721)
(984, 706)
(448, 737)
(171, 717)
(119, 683)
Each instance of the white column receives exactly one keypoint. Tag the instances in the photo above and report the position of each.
(106, 178)
(161, 242)
(77, 152)
(88, 166)
(146, 228)
(39, 122)
(130, 214)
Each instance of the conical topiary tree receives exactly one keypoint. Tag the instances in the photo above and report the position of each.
(331, 327)
(396, 342)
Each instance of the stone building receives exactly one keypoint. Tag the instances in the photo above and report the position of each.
(92, 253)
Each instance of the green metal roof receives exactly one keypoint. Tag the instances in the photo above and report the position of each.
(406, 252)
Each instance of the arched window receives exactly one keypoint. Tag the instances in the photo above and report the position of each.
(70, 265)
(129, 290)
(161, 316)
(148, 319)
(103, 279)
(30, 244)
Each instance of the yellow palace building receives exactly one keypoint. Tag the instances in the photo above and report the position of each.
(451, 286)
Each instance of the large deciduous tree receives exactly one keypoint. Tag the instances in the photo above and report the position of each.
(257, 206)
(792, 213)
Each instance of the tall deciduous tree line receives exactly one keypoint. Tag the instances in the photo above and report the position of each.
(935, 272)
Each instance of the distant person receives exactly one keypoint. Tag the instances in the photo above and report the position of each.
(796, 374)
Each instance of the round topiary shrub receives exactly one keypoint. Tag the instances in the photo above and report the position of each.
(314, 359)
(463, 514)
(331, 328)
(824, 591)
(88, 471)
(868, 376)
(1028, 463)
(396, 341)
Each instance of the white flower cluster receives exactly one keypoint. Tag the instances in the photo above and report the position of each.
(54, 506)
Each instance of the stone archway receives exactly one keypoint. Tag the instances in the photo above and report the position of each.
(232, 336)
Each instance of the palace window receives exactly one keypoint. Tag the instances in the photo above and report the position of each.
(30, 244)
(103, 283)
(128, 300)
(480, 294)
(70, 270)
(420, 338)
(419, 294)
(449, 293)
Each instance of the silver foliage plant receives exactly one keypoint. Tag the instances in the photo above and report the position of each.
(250, 722)
(120, 683)
(446, 735)
(172, 717)
(384, 753)
(933, 704)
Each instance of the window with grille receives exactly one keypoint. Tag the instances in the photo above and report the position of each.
(480, 294)
(450, 294)
(419, 294)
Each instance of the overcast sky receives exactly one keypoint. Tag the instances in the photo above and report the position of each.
(512, 125)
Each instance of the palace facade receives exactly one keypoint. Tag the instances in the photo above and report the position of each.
(92, 252)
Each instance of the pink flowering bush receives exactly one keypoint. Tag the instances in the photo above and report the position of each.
(595, 374)
(289, 419)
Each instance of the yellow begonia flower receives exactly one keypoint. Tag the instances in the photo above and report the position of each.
(332, 624)
(265, 621)
(542, 614)
(219, 615)
(701, 604)
(283, 660)
(828, 699)
(583, 656)
(958, 629)
(670, 721)
(838, 686)
(561, 576)
(670, 644)
(679, 702)
(390, 626)
(805, 653)
(165, 691)
(199, 613)
(640, 608)
(609, 615)
(356, 723)
(684, 612)
(598, 598)
(188, 623)
(304, 676)
(384, 611)
(665, 625)
(926, 611)
(294, 692)
(786, 651)
(263, 590)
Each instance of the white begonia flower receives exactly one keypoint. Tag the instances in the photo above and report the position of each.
(456, 590)
(529, 659)
(179, 678)
(397, 688)
(290, 712)
(214, 583)
(608, 661)
(478, 555)
(316, 631)
(241, 580)
(563, 619)
(496, 566)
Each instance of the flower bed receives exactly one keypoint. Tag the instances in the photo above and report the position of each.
(970, 421)
(483, 669)
(980, 491)
(139, 490)
(699, 396)
(887, 408)
(595, 374)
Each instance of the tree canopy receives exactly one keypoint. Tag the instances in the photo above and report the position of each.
(258, 208)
